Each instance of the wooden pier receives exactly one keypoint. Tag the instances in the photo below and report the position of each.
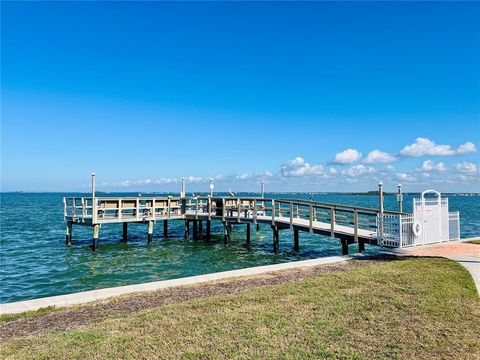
(349, 224)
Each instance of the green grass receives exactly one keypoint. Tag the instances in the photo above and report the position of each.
(416, 308)
(474, 241)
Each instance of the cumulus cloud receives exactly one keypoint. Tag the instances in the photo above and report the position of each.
(429, 165)
(377, 156)
(299, 167)
(195, 179)
(357, 170)
(467, 167)
(467, 148)
(405, 177)
(243, 176)
(427, 147)
(424, 146)
(347, 156)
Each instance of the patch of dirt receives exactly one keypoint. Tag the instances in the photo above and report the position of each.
(75, 317)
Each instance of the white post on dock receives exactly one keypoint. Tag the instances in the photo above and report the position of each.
(182, 191)
(93, 185)
(400, 198)
(380, 206)
(212, 186)
(94, 210)
(263, 189)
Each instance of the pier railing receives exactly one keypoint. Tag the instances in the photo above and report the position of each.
(255, 209)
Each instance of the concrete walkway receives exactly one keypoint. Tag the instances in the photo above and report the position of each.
(468, 255)
(101, 294)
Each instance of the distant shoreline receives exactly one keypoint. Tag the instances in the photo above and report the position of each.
(221, 193)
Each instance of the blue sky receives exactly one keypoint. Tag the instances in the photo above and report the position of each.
(298, 95)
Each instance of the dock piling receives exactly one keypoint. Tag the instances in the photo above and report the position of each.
(344, 247)
(361, 245)
(96, 233)
(125, 232)
(150, 231)
(296, 243)
(195, 229)
(165, 229)
(187, 229)
(248, 233)
(208, 229)
(275, 239)
(226, 232)
(68, 238)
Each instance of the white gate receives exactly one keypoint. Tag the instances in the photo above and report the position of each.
(431, 219)
(430, 223)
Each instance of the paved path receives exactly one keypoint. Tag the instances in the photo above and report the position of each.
(466, 254)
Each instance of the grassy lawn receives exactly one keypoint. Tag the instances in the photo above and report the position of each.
(414, 308)
(474, 241)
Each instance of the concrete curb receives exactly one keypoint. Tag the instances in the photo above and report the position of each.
(101, 294)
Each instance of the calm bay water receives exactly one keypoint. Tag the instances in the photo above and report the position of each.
(35, 262)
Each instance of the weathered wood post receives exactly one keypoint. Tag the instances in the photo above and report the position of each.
(124, 231)
(187, 229)
(68, 239)
(296, 243)
(200, 227)
(165, 229)
(248, 233)
(150, 231)
(96, 233)
(208, 229)
(275, 238)
(360, 241)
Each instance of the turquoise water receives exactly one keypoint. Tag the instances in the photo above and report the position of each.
(36, 263)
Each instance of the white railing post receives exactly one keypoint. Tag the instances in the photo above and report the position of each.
(311, 218)
(119, 208)
(332, 222)
(168, 208)
(273, 212)
(380, 206)
(291, 214)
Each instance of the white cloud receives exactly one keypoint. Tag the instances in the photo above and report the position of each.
(424, 147)
(358, 170)
(467, 167)
(299, 167)
(194, 179)
(243, 176)
(332, 170)
(347, 156)
(467, 148)
(405, 177)
(429, 165)
(377, 156)
(390, 168)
